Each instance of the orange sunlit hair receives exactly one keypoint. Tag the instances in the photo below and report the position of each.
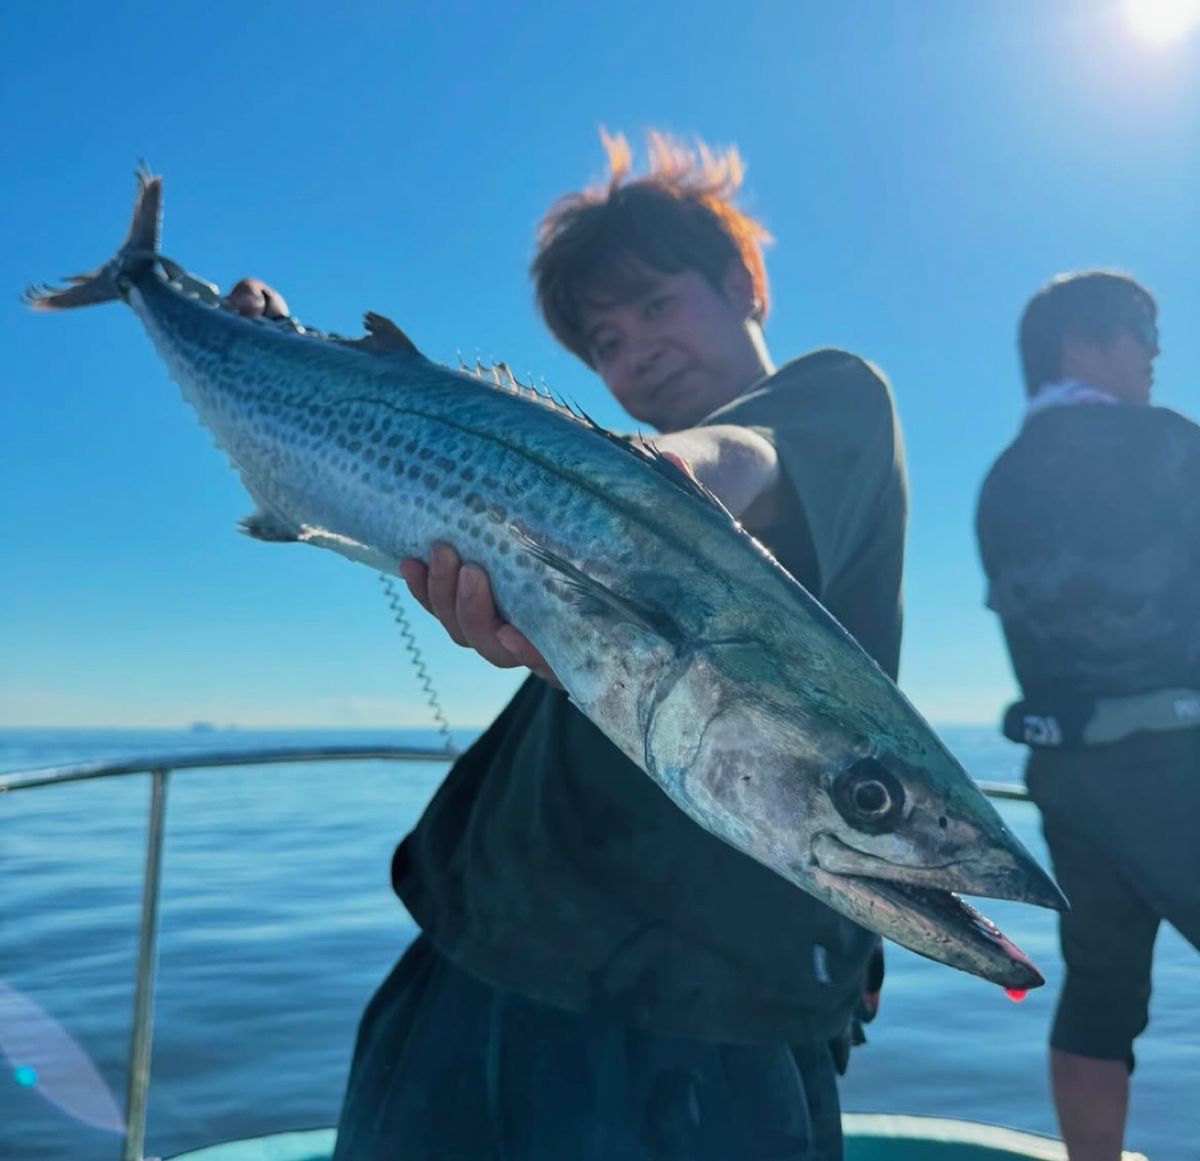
(598, 243)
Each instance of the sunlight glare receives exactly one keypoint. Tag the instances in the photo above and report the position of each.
(45, 1057)
(1162, 21)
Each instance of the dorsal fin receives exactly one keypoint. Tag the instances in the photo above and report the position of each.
(500, 375)
(383, 337)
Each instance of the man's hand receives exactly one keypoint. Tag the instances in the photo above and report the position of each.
(460, 596)
(253, 298)
(872, 984)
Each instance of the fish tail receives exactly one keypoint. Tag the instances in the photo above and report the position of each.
(106, 283)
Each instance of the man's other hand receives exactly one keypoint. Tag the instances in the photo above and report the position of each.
(460, 596)
(253, 298)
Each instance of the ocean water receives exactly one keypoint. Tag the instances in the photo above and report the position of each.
(278, 921)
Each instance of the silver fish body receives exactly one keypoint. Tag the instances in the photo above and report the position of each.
(676, 633)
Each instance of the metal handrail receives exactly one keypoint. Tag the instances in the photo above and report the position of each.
(1004, 790)
(160, 767)
(190, 760)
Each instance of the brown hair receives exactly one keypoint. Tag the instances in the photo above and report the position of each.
(679, 216)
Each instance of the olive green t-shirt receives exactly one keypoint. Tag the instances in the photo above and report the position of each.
(549, 864)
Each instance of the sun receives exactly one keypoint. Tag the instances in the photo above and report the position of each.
(1163, 21)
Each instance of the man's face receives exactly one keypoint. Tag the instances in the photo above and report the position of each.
(1132, 365)
(1123, 367)
(677, 348)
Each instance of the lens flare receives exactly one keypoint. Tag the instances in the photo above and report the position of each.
(44, 1057)
(1163, 21)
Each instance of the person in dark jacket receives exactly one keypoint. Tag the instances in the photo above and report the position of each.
(1089, 531)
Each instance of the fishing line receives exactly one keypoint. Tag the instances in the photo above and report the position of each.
(503, 377)
(414, 651)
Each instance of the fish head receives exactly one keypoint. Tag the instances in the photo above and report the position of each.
(894, 842)
(884, 825)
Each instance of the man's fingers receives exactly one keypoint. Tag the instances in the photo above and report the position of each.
(517, 644)
(253, 298)
(444, 566)
(547, 675)
(460, 597)
(274, 304)
(672, 457)
(246, 299)
(415, 574)
(675, 458)
(476, 612)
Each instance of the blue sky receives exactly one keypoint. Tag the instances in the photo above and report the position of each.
(924, 167)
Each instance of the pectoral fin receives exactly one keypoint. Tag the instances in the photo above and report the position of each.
(592, 598)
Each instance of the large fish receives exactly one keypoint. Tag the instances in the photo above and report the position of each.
(674, 631)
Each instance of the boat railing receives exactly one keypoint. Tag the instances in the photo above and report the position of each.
(160, 767)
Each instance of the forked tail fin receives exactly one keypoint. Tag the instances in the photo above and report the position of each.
(140, 245)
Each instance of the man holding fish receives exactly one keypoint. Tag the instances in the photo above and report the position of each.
(713, 1010)
(615, 960)
(602, 977)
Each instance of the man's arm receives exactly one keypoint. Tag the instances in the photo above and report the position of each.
(736, 464)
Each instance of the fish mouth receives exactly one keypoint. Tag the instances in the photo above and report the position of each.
(920, 908)
(997, 871)
(954, 932)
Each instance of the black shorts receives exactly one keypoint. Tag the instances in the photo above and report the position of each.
(448, 1068)
(1123, 826)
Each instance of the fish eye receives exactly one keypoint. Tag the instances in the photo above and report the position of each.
(869, 797)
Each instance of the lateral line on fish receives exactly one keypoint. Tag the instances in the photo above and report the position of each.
(192, 287)
(582, 482)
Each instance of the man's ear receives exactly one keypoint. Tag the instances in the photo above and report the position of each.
(738, 287)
